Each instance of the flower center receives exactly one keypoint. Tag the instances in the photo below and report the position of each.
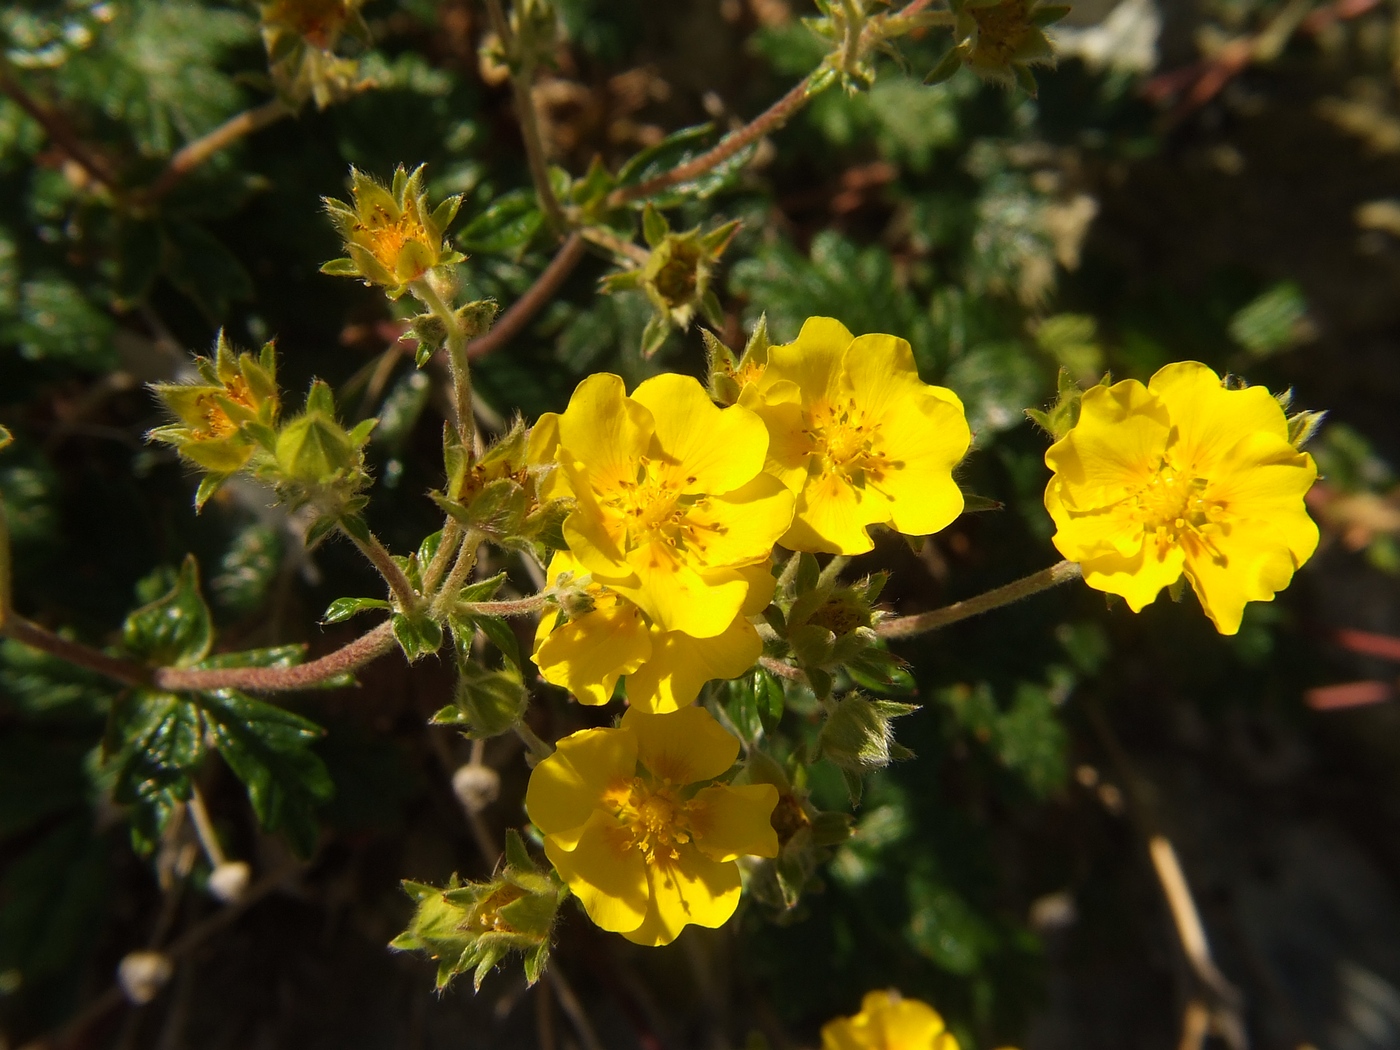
(657, 821)
(1173, 507)
(217, 423)
(845, 442)
(653, 510)
(385, 238)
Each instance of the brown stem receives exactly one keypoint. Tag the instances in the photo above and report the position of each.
(380, 558)
(347, 658)
(56, 128)
(514, 607)
(781, 669)
(770, 120)
(521, 75)
(906, 626)
(36, 637)
(609, 241)
(510, 323)
(193, 154)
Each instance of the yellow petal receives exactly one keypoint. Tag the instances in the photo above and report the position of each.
(605, 431)
(730, 822)
(586, 531)
(790, 444)
(909, 1022)
(761, 586)
(691, 888)
(606, 874)
(680, 665)
(544, 439)
(712, 449)
(1209, 419)
(812, 360)
(676, 596)
(568, 786)
(1085, 534)
(1114, 449)
(832, 515)
(741, 526)
(586, 656)
(683, 747)
(1137, 579)
(924, 437)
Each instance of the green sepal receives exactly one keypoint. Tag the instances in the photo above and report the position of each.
(417, 635)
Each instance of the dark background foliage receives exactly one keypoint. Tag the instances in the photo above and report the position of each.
(1002, 874)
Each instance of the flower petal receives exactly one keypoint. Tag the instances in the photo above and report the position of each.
(682, 747)
(924, 437)
(690, 888)
(676, 596)
(1137, 579)
(587, 655)
(680, 665)
(741, 526)
(713, 449)
(1209, 419)
(762, 584)
(604, 871)
(1084, 534)
(568, 786)
(790, 444)
(605, 431)
(729, 822)
(1114, 449)
(832, 515)
(812, 360)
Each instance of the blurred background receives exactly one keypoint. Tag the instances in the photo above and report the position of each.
(1215, 180)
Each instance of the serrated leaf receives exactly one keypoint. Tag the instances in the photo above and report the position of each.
(269, 749)
(507, 226)
(153, 743)
(344, 608)
(175, 629)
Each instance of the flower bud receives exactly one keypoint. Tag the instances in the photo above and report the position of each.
(476, 787)
(1000, 40)
(391, 239)
(315, 459)
(229, 881)
(141, 975)
(473, 925)
(858, 735)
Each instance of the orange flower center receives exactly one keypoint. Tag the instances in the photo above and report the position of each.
(656, 820)
(385, 237)
(217, 423)
(845, 442)
(653, 510)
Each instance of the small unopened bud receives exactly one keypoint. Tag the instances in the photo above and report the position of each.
(229, 881)
(142, 975)
(858, 736)
(476, 787)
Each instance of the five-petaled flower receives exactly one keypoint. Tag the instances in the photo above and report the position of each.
(858, 437)
(888, 1021)
(665, 670)
(672, 502)
(645, 848)
(1182, 475)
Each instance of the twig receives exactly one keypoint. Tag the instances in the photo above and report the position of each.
(381, 559)
(204, 828)
(193, 154)
(54, 126)
(512, 607)
(457, 359)
(610, 241)
(510, 323)
(182, 946)
(782, 669)
(521, 74)
(36, 637)
(348, 658)
(574, 1009)
(770, 120)
(905, 626)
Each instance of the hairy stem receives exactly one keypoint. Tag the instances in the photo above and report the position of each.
(513, 607)
(907, 626)
(204, 828)
(610, 241)
(451, 536)
(347, 658)
(457, 578)
(510, 323)
(522, 75)
(538, 748)
(770, 120)
(457, 360)
(380, 558)
(193, 154)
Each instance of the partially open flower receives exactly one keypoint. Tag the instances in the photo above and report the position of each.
(631, 826)
(391, 238)
(888, 1021)
(301, 37)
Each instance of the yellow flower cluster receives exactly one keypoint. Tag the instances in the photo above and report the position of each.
(1183, 475)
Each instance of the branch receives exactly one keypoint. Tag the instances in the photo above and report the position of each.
(906, 626)
(381, 559)
(342, 661)
(195, 153)
(510, 323)
(58, 131)
(770, 120)
(514, 607)
(522, 72)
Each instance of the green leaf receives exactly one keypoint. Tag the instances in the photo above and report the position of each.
(677, 149)
(417, 635)
(1275, 321)
(175, 629)
(995, 381)
(269, 749)
(248, 570)
(944, 928)
(496, 628)
(153, 743)
(344, 608)
(504, 228)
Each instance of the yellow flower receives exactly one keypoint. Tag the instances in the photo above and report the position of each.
(858, 437)
(672, 501)
(665, 669)
(888, 1021)
(1182, 475)
(645, 849)
(391, 238)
